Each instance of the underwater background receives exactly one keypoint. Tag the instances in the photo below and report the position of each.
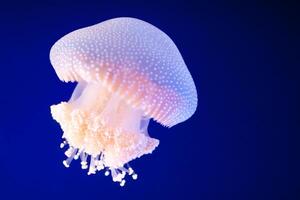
(235, 146)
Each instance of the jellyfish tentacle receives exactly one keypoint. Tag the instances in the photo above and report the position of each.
(103, 133)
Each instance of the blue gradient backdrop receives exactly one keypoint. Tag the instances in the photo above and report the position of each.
(234, 147)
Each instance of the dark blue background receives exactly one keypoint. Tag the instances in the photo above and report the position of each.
(234, 147)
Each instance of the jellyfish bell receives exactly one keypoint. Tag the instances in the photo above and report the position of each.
(127, 72)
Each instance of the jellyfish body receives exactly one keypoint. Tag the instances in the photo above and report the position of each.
(128, 72)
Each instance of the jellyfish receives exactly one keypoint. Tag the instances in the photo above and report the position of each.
(127, 72)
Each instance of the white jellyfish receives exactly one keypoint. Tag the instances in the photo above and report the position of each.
(128, 72)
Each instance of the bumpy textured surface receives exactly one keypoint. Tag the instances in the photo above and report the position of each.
(133, 58)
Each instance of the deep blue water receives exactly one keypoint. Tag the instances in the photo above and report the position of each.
(234, 147)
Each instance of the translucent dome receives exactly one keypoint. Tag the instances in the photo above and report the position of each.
(133, 58)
